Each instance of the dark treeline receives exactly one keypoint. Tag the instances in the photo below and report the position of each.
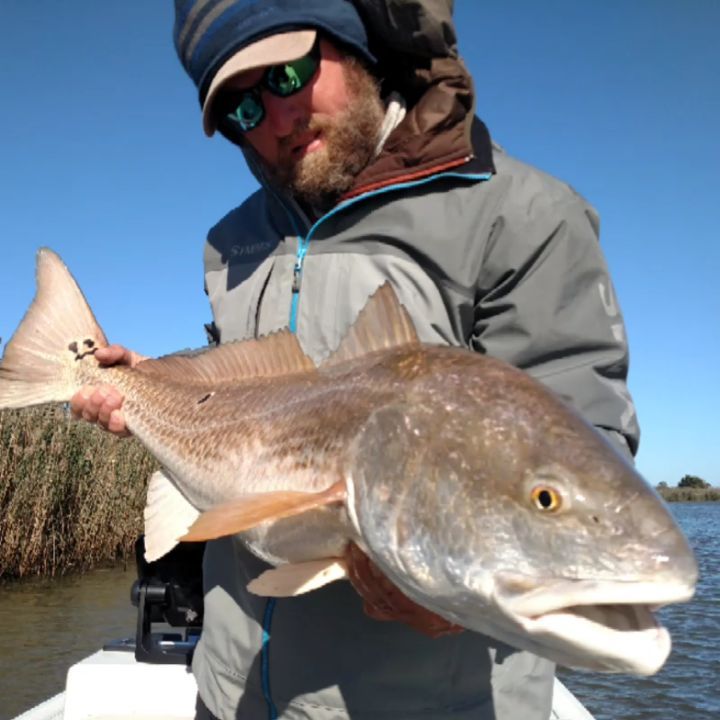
(684, 494)
(71, 496)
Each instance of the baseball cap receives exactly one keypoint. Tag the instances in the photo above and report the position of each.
(217, 39)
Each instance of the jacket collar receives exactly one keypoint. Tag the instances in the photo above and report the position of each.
(440, 131)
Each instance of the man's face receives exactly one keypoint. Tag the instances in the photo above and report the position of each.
(317, 140)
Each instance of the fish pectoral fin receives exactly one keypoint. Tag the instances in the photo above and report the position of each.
(252, 510)
(168, 514)
(298, 578)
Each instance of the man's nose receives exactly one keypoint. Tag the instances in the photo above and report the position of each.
(284, 114)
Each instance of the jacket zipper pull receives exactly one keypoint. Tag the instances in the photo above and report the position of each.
(297, 275)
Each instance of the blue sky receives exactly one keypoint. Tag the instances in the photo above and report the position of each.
(103, 159)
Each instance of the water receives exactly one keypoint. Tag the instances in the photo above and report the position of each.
(689, 684)
(47, 625)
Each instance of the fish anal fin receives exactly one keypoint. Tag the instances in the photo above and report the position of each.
(274, 355)
(253, 510)
(298, 578)
(382, 324)
(168, 514)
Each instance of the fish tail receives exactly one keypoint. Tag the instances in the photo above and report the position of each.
(45, 359)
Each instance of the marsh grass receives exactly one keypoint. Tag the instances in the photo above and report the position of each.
(71, 496)
(678, 494)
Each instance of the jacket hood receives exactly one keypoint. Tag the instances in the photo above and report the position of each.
(415, 44)
(413, 28)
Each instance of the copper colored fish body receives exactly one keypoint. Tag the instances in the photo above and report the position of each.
(475, 489)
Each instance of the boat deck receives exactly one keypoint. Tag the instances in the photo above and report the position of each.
(112, 685)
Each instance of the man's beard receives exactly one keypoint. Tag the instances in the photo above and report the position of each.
(350, 141)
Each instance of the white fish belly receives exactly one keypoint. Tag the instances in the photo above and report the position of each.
(316, 534)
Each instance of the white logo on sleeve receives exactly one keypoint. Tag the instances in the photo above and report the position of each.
(609, 303)
(607, 298)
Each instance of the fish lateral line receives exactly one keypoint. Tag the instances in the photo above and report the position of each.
(253, 510)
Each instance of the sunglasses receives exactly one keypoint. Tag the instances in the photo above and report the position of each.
(243, 110)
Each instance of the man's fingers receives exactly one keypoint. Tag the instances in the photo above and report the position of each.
(118, 355)
(100, 404)
(382, 600)
(113, 355)
(108, 401)
(93, 403)
(116, 424)
(78, 401)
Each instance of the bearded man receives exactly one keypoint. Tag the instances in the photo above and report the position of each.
(373, 168)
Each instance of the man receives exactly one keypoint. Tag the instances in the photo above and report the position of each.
(361, 185)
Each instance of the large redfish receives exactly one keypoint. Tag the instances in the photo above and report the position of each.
(473, 487)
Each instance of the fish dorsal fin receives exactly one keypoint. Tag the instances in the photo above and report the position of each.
(270, 356)
(382, 324)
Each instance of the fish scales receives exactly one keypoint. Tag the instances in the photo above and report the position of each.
(237, 432)
(476, 490)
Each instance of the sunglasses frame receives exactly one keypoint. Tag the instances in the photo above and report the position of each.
(229, 102)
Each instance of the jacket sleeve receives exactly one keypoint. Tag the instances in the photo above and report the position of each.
(545, 303)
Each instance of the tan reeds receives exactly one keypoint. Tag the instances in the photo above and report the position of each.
(678, 494)
(71, 496)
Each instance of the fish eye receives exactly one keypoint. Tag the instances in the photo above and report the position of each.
(546, 499)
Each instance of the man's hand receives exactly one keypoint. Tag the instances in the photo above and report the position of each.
(101, 403)
(383, 601)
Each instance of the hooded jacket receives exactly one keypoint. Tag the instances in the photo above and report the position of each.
(486, 253)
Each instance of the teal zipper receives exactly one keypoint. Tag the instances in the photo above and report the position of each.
(304, 242)
(303, 245)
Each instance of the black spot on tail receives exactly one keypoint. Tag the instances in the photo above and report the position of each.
(74, 347)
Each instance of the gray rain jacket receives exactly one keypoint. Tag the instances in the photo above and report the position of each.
(486, 253)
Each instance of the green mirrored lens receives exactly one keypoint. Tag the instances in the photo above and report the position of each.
(244, 109)
(248, 113)
(287, 79)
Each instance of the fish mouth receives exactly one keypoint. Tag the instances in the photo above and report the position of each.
(603, 625)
